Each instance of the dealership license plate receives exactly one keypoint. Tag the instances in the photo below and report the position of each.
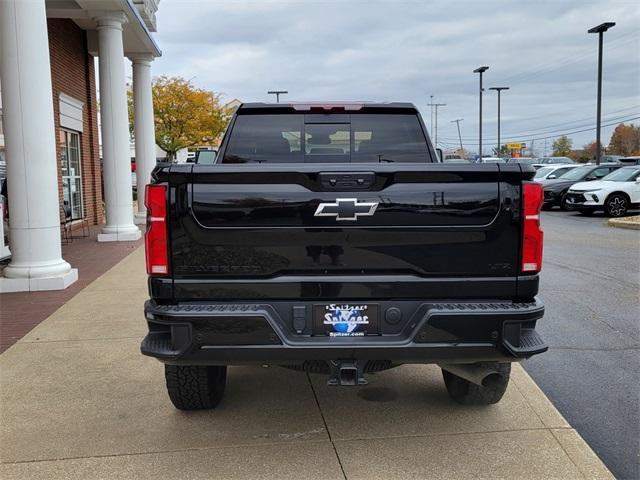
(345, 319)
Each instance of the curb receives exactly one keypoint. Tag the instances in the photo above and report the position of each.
(632, 223)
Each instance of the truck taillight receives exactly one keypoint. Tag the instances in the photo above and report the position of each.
(532, 197)
(155, 238)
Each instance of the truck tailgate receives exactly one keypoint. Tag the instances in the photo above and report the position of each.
(272, 224)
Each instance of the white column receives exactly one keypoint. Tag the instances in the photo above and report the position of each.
(115, 131)
(144, 128)
(32, 172)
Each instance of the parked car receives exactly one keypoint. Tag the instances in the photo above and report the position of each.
(296, 251)
(616, 193)
(491, 160)
(551, 172)
(454, 158)
(542, 161)
(630, 160)
(555, 190)
(611, 158)
(522, 160)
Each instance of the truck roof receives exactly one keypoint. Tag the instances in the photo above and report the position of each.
(325, 106)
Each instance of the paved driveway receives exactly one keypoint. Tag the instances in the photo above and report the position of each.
(590, 285)
(79, 401)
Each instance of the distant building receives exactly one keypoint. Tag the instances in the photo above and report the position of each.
(233, 105)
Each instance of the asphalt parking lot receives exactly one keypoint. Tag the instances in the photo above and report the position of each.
(590, 284)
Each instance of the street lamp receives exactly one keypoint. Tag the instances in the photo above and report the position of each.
(480, 70)
(277, 93)
(600, 29)
(499, 89)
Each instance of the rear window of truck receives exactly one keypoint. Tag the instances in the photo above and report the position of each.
(339, 138)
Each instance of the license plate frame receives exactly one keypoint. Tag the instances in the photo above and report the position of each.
(342, 319)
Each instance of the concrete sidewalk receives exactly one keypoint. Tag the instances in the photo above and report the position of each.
(78, 400)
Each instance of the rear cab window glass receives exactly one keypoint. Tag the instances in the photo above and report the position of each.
(326, 138)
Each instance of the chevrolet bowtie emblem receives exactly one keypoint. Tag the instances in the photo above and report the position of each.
(346, 209)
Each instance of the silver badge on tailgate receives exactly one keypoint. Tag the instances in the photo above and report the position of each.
(346, 209)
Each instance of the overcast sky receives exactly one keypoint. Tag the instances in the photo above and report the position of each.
(409, 50)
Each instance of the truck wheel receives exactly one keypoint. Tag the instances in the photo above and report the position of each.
(468, 393)
(195, 387)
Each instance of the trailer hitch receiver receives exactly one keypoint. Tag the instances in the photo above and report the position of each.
(346, 373)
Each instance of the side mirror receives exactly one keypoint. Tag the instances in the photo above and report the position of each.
(590, 178)
(440, 154)
(637, 179)
(552, 176)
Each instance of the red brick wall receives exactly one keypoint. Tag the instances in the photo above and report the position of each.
(72, 73)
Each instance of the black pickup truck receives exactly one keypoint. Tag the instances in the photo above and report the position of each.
(329, 238)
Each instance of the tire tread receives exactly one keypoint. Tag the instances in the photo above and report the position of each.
(195, 387)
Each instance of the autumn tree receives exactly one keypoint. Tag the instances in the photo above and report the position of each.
(585, 154)
(462, 153)
(625, 140)
(562, 146)
(185, 116)
(503, 152)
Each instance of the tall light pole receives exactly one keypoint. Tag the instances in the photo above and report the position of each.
(498, 89)
(277, 93)
(457, 122)
(435, 140)
(600, 29)
(480, 70)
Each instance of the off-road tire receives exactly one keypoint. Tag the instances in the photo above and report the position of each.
(616, 205)
(195, 387)
(467, 393)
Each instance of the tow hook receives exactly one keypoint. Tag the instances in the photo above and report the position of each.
(346, 373)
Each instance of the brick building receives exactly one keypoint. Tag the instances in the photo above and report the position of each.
(75, 118)
(49, 131)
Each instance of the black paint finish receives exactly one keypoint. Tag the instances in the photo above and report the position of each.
(248, 235)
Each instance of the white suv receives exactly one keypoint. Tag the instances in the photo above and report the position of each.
(615, 193)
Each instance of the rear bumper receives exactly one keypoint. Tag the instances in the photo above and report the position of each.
(280, 332)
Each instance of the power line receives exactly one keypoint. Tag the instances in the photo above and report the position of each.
(576, 57)
(543, 130)
(587, 119)
(546, 115)
(622, 118)
(553, 136)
